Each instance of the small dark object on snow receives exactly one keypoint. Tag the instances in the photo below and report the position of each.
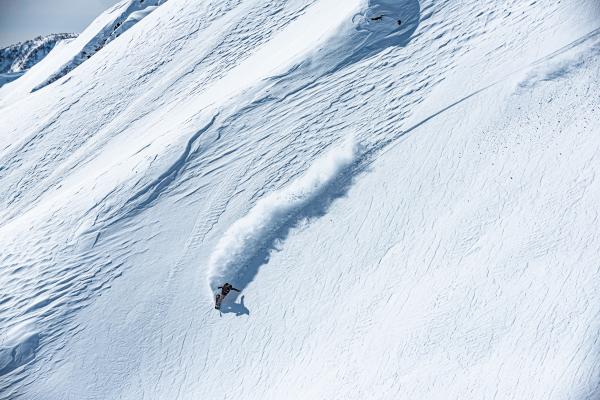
(399, 22)
(225, 289)
(379, 18)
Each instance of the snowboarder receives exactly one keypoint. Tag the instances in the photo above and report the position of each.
(225, 289)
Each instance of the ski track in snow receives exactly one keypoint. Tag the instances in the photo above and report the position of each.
(458, 260)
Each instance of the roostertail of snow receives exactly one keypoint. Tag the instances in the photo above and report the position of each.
(258, 230)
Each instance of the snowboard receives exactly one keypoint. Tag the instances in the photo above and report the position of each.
(218, 301)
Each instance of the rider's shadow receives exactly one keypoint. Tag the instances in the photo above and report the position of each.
(236, 308)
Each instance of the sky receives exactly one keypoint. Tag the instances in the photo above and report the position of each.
(25, 19)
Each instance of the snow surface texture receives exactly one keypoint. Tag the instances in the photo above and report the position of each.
(449, 251)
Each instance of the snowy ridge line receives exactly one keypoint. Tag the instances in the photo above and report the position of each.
(145, 196)
(252, 233)
(133, 12)
(18, 58)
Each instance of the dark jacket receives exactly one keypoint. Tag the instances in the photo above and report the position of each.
(226, 288)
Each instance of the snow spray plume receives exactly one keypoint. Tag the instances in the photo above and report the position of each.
(249, 234)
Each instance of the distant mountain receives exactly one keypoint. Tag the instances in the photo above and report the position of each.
(72, 53)
(16, 59)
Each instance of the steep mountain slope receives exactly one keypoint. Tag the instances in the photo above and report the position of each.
(18, 58)
(70, 54)
(405, 191)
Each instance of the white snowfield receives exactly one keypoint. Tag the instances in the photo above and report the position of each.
(406, 192)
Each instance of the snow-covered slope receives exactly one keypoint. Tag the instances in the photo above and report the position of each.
(404, 191)
(16, 59)
(70, 54)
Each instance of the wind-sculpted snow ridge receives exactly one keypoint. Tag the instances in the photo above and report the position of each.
(17, 347)
(257, 230)
(376, 26)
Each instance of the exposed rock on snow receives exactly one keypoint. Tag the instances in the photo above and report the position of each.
(16, 59)
(119, 19)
